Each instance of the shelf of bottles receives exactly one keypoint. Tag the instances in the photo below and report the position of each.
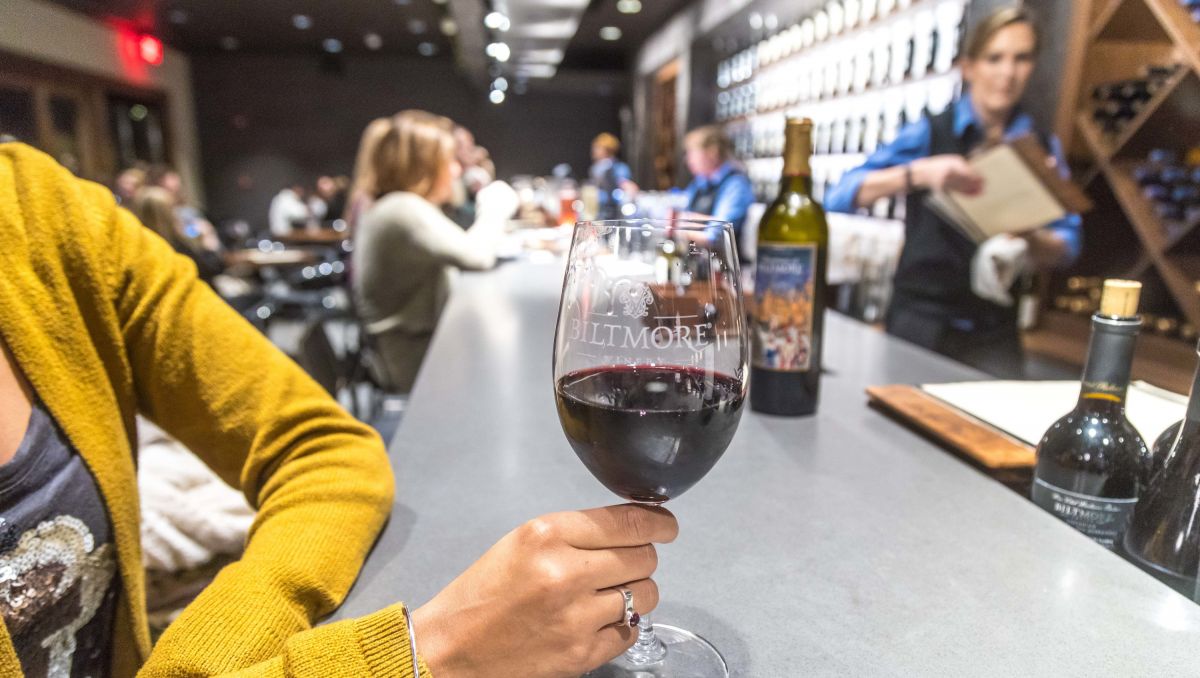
(861, 69)
(1081, 298)
(1171, 184)
(1117, 104)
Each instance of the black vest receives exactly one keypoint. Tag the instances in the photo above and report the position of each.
(705, 199)
(934, 270)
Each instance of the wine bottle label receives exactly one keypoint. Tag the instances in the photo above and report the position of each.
(1102, 518)
(784, 296)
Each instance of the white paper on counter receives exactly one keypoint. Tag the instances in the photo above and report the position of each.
(1025, 409)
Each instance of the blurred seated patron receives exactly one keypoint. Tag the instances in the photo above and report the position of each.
(128, 183)
(720, 188)
(362, 185)
(155, 207)
(329, 197)
(166, 177)
(289, 211)
(407, 250)
(138, 334)
(613, 179)
(477, 171)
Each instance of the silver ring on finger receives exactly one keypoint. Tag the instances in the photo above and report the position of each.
(630, 617)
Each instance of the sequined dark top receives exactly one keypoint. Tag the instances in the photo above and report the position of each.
(57, 559)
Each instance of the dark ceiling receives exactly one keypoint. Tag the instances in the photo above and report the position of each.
(587, 50)
(267, 25)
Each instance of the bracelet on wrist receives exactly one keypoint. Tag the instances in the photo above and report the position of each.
(412, 642)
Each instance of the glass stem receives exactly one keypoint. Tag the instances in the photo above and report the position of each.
(648, 649)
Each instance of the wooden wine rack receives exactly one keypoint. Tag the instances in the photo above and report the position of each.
(1113, 39)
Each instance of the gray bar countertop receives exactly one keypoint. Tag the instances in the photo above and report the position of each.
(836, 545)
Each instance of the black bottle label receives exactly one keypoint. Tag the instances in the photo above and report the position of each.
(784, 290)
(1102, 518)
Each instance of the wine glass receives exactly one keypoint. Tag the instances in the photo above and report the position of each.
(650, 376)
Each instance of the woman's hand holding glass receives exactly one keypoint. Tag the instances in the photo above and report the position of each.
(541, 602)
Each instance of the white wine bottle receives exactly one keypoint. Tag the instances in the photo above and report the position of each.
(789, 288)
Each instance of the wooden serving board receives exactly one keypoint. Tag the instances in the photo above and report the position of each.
(975, 439)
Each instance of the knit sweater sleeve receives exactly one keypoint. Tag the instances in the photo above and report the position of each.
(319, 479)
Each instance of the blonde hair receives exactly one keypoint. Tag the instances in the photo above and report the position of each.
(983, 32)
(363, 184)
(413, 153)
(608, 142)
(710, 136)
(155, 208)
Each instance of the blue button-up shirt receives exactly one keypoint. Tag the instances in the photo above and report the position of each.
(733, 198)
(913, 142)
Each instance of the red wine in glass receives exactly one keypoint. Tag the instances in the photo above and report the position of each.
(648, 433)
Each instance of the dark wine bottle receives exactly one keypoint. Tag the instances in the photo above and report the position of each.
(1162, 445)
(1092, 462)
(789, 288)
(1164, 534)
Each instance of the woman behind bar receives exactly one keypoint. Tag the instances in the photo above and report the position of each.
(612, 177)
(406, 250)
(951, 295)
(720, 188)
(99, 321)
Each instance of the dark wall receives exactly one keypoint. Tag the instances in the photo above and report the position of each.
(265, 120)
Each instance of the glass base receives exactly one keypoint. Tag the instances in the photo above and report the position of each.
(688, 656)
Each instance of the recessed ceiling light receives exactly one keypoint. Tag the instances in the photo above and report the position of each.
(498, 51)
(302, 22)
(610, 33)
(771, 22)
(629, 6)
(496, 21)
(177, 16)
(230, 43)
(496, 96)
(501, 84)
(373, 41)
(331, 45)
(449, 26)
(427, 49)
(756, 20)
(417, 26)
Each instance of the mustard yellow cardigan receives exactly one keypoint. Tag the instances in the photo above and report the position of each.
(106, 321)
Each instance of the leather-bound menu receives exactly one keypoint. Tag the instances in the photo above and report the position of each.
(1022, 191)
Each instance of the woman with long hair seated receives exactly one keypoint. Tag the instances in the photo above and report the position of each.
(407, 251)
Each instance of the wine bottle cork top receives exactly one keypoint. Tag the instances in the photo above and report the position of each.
(1120, 298)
